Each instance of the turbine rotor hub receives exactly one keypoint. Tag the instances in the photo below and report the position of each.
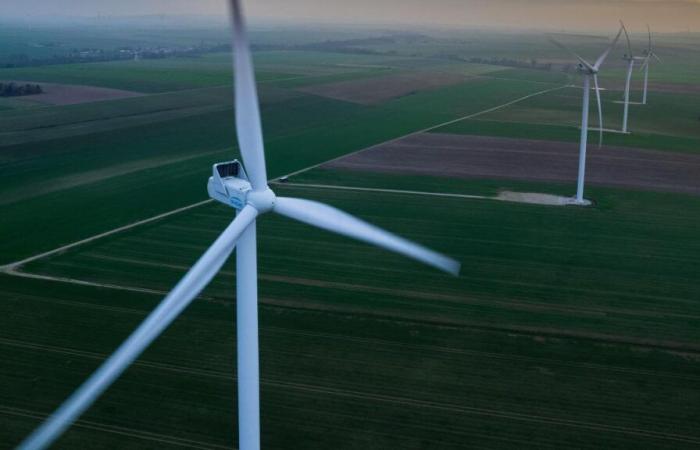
(263, 201)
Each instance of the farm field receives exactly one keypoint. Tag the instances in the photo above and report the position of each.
(459, 156)
(568, 327)
(577, 320)
(160, 75)
(131, 159)
(556, 116)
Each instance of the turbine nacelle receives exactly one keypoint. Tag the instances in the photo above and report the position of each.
(586, 70)
(229, 185)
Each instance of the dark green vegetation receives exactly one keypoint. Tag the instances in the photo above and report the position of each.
(568, 328)
(145, 75)
(553, 335)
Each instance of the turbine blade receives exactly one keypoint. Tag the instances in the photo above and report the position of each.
(167, 311)
(600, 110)
(629, 43)
(656, 57)
(248, 126)
(585, 63)
(336, 221)
(599, 62)
(649, 30)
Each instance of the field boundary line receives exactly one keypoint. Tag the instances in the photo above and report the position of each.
(426, 130)
(35, 276)
(130, 432)
(390, 191)
(11, 267)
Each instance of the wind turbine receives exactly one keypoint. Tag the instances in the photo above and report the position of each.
(588, 71)
(630, 58)
(247, 191)
(645, 66)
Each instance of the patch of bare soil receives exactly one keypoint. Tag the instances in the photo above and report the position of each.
(375, 90)
(534, 198)
(71, 94)
(463, 156)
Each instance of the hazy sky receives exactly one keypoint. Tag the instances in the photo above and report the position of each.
(672, 15)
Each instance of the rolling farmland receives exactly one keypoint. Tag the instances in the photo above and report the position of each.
(568, 327)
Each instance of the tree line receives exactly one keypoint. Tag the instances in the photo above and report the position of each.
(16, 90)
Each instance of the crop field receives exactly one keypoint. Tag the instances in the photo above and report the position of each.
(544, 329)
(568, 327)
(127, 163)
(460, 156)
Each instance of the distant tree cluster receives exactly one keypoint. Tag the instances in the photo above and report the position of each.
(17, 90)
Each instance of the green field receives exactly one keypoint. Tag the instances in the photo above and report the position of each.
(121, 174)
(159, 75)
(545, 314)
(671, 124)
(568, 327)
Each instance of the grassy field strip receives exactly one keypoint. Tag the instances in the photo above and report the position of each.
(438, 349)
(388, 191)
(347, 393)
(527, 306)
(493, 413)
(11, 268)
(373, 342)
(431, 128)
(491, 77)
(304, 373)
(130, 432)
(75, 281)
(21, 137)
(97, 175)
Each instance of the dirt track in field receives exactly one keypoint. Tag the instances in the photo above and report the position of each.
(379, 89)
(71, 94)
(463, 156)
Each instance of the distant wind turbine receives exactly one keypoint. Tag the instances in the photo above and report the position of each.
(588, 71)
(645, 66)
(247, 191)
(630, 58)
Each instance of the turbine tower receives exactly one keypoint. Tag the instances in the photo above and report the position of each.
(246, 190)
(589, 71)
(645, 66)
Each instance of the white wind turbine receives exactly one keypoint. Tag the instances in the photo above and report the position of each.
(588, 71)
(645, 66)
(249, 194)
(631, 59)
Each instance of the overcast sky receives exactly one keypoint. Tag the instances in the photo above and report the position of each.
(664, 15)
